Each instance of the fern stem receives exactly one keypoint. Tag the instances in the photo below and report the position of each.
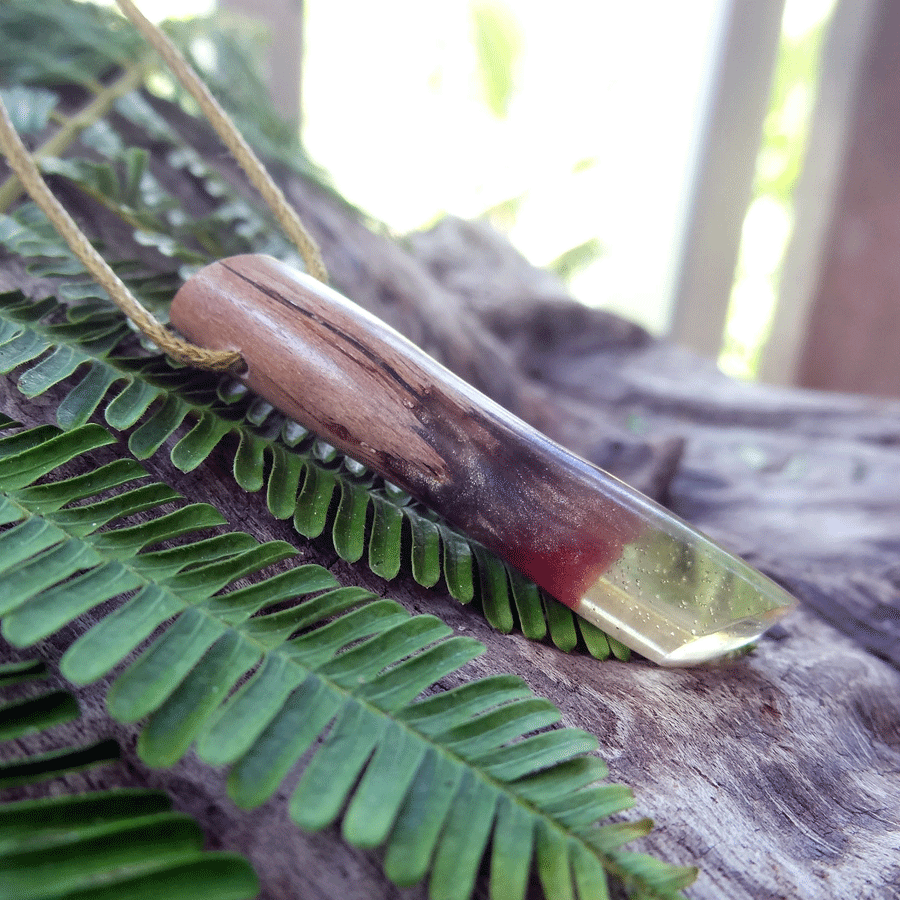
(132, 78)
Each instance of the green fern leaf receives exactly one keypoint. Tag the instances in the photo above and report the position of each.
(314, 501)
(426, 548)
(21, 717)
(349, 529)
(526, 597)
(107, 844)
(254, 682)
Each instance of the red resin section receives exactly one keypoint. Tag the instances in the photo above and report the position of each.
(567, 571)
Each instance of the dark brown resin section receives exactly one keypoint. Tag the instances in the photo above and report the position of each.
(362, 386)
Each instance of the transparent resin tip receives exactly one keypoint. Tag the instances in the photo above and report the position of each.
(679, 599)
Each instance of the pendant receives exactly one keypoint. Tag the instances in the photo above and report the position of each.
(612, 555)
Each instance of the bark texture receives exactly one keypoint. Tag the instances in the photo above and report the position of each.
(778, 774)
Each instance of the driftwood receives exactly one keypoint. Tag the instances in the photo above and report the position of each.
(779, 774)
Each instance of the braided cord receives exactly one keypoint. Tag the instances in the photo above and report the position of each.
(232, 138)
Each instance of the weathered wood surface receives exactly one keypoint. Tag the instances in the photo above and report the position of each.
(780, 774)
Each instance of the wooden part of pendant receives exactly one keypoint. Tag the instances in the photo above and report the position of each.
(359, 384)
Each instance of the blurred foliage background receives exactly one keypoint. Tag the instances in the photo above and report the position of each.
(573, 128)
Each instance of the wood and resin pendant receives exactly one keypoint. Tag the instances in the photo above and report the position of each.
(614, 556)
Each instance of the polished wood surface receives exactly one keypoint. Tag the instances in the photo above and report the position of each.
(362, 386)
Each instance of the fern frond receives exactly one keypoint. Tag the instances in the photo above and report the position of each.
(61, 43)
(337, 497)
(255, 680)
(308, 481)
(107, 844)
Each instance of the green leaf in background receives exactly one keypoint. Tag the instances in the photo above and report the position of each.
(29, 108)
(497, 41)
(577, 258)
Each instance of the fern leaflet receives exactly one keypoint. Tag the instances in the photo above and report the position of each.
(110, 844)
